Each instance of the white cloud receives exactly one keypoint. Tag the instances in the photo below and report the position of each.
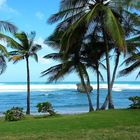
(6, 8)
(40, 15)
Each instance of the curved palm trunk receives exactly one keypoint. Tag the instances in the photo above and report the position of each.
(113, 79)
(87, 93)
(109, 98)
(98, 89)
(110, 102)
(28, 86)
(115, 69)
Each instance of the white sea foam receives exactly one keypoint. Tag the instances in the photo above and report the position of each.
(55, 87)
(119, 87)
(41, 87)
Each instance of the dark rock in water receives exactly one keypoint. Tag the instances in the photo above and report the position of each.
(81, 89)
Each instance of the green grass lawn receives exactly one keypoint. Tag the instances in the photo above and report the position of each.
(100, 125)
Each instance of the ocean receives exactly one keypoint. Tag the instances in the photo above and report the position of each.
(63, 96)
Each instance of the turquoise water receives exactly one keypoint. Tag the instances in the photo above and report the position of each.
(63, 96)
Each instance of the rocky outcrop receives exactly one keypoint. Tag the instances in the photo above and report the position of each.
(81, 89)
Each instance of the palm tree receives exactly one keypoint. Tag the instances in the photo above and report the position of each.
(103, 13)
(24, 48)
(92, 53)
(60, 70)
(93, 14)
(71, 62)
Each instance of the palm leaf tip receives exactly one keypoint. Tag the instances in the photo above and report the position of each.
(7, 26)
(2, 64)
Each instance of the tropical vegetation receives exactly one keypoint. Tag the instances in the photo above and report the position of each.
(99, 27)
(46, 107)
(23, 49)
(135, 102)
(14, 114)
(88, 35)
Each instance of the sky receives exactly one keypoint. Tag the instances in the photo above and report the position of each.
(32, 15)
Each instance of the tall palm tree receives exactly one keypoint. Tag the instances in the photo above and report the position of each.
(24, 47)
(103, 13)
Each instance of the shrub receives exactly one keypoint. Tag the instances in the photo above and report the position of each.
(136, 102)
(14, 114)
(45, 107)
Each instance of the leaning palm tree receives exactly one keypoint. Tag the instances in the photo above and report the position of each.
(24, 47)
(71, 62)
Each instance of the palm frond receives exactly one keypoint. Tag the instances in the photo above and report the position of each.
(10, 42)
(54, 56)
(7, 26)
(111, 23)
(16, 58)
(129, 69)
(2, 64)
(35, 56)
(32, 37)
(59, 71)
(35, 48)
(23, 38)
(65, 13)
(3, 50)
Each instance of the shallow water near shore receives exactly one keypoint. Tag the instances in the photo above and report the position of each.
(63, 96)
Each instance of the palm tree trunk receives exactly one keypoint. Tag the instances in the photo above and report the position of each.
(110, 102)
(87, 93)
(88, 96)
(28, 86)
(98, 89)
(115, 68)
(113, 79)
(105, 103)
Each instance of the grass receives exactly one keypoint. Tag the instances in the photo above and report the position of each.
(100, 125)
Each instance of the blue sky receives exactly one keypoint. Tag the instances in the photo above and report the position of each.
(31, 15)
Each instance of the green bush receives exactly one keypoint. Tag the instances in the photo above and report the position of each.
(136, 102)
(45, 107)
(14, 114)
